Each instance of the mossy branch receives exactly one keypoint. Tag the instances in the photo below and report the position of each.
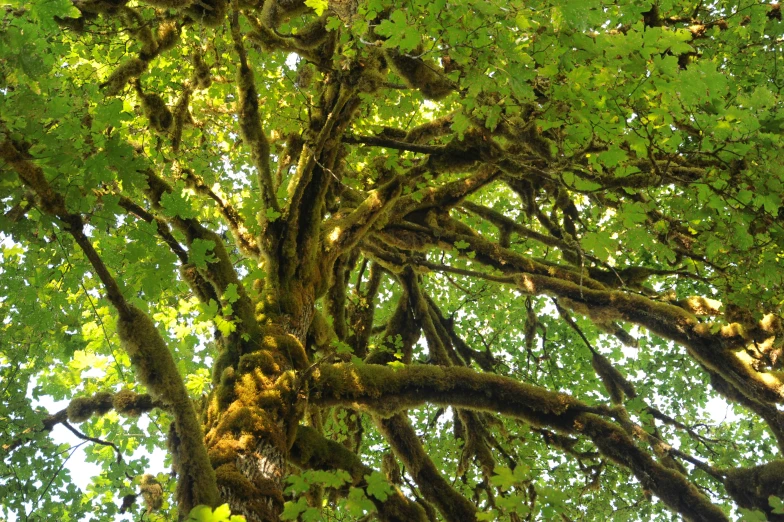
(301, 229)
(772, 416)
(614, 382)
(403, 324)
(53, 203)
(162, 227)
(250, 119)
(492, 254)
(245, 241)
(445, 196)
(344, 233)
(387, 391)
(389, 143)
(714, 351)
(336, 295)
(221, 273)
(751, 487)
(154, 363)
(485, 359)
(437, 348)
(362, 313)
(404, 440)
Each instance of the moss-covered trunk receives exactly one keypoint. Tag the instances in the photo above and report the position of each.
(252, 415)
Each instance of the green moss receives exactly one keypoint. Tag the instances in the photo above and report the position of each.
(141, 30)
(751, 487)
(387, 391)
(202, 77)
(156, 369)
(312, 35)
(228, 475)
(80, 409)
(148, 352)
(261, 360)
(320, 331)
(225, 392)
(251, 425)
(132, 404)
(669, 485)
(612, 379)
(294, 351)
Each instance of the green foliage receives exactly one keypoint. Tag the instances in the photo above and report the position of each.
(622, 136)
(220, 514)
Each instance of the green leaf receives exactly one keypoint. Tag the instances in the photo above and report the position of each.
(272, 215)
(317, 5)
(378, 486)
(200, 253)
(292, 510)
(777, 504)
(231, 295)
(752, 515)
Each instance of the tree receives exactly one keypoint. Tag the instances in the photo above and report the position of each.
(420, 261)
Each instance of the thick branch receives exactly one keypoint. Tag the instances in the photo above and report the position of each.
(713, 351)
(386, 390)
(445, 196)
(154, 363)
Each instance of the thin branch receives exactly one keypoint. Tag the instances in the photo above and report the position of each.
(95, 440)
(389, 143)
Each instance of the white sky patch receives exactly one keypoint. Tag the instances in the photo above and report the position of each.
(720, 410)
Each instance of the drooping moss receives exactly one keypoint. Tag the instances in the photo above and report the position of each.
(167, 37)
(156, 110)
(420, 73)
(201, 72)
(124, 73)
(182, 116)
(140, 29)
(211, 13)
(152, 492)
